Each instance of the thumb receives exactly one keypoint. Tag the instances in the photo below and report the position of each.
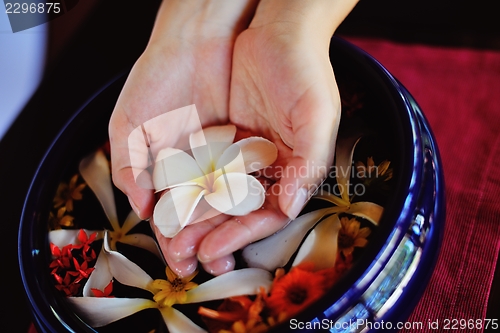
(315, 124)
(129, 161)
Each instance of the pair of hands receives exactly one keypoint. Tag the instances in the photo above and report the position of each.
(271, 78)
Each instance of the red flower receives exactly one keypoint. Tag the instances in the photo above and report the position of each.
(67, 284)
(62, 258)
(107, 291)
(88, 252)
(83, 270)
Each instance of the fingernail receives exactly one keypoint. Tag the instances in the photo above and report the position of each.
(297, 203)
(136, 209)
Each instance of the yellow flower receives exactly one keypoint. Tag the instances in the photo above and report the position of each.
(60, 220)
(351, 236)
(173, 291)
(370, 172)
(66, 193)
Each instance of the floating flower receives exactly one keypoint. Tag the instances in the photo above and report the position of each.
(66, 193)
(239, 315)
(294, 291)
(60, 219)
(104, 293)
(351, 236)
(320, 246)
(95, 170)
(370, 172)
(173, 290)
(62, 258)
(102, 311)
(211, 181)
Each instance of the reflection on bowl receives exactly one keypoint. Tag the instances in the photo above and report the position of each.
(390, 272)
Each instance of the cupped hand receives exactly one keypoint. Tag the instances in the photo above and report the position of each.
(282, 88)
(187, 62)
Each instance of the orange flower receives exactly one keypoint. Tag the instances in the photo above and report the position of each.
(351, 236)
(294, 291)
(60, 220)
(66, 193)
(236, 315)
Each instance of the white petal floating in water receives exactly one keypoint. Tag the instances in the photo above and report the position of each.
(368, 210)
(144, 242)
(327, 196)
(236, 194)
(96, 173)
(174, 209)
(246, 281)
(174, 167)
(344, 151)
(276, 250)
(321, 245)
(177, 322)
(100, 277)
(124, 270)
(101, 311)
(130, 222)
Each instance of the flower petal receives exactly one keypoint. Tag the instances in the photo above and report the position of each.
(130, 222)
(96, 173)
(124, 270)
(320, 246)
(175, 208)
(282, 244)
(101, 311)
(343, 160)
(257, 153)
(63, 237)
(246, 281)
(174, 167)
(177, 322)
(236, 194)
(100, 277)
(327, 196)
(368, 210)
(144, 242)
(208, 145)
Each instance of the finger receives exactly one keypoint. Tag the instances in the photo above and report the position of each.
(129, 156)
(315, 121)
(220, 266)
(183, 267)
(239, 231)
(187, 242)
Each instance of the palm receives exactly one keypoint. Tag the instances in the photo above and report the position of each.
(285, 91)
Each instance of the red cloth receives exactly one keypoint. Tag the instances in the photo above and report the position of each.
(458, 91)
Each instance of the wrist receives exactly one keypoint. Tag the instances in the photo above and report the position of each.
(317, 17)
(198, 20)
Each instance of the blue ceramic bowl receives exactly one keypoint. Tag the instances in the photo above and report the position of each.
(388, 279)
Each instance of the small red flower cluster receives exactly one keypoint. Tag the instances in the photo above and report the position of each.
(73, 263)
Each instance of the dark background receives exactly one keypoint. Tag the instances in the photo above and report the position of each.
(96, 40)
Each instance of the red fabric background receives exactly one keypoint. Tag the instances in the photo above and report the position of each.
(458, 90)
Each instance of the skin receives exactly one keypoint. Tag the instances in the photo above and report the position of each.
(261, 65)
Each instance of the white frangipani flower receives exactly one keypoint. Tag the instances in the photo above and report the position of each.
(101, 311)
(211, 181)
(95, 170)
